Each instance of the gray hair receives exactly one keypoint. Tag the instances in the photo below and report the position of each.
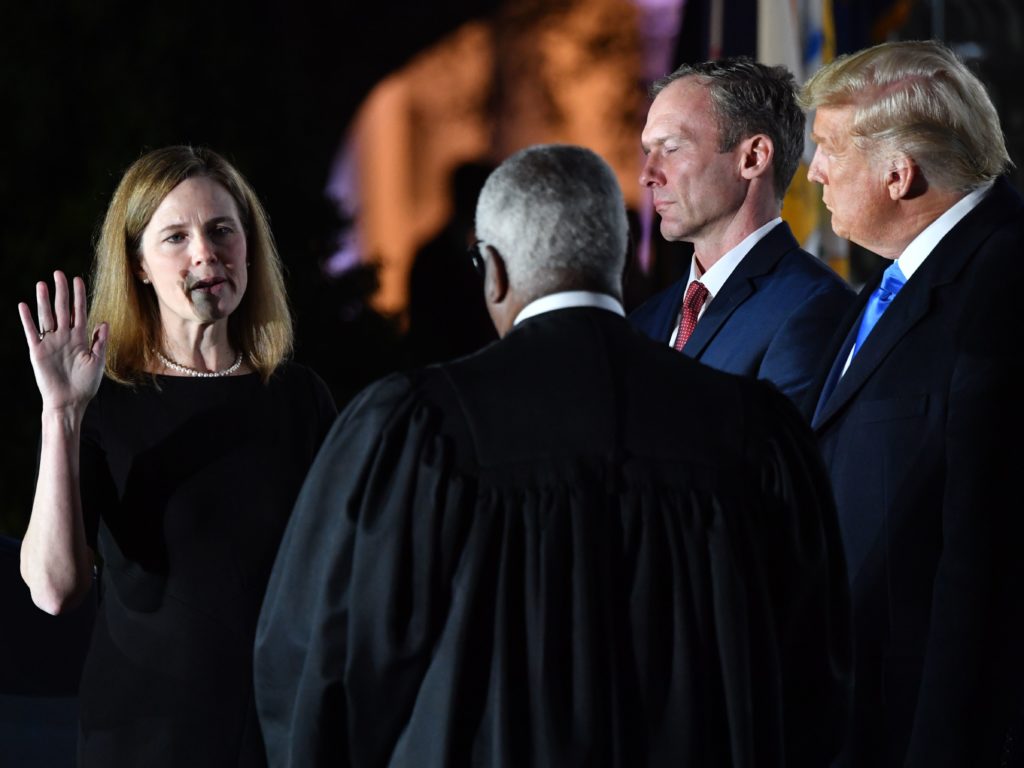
(917, 99)
(556, 214)
(751, 98)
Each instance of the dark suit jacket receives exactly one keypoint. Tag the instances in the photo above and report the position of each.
(927, 485)
(771, 320)
(518, 558)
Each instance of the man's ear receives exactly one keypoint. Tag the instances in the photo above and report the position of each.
(496, 276)
(756, 156)
(903, 178)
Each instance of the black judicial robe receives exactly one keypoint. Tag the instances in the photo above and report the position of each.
(575, 547)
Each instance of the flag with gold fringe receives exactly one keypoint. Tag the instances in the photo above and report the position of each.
(800, 35)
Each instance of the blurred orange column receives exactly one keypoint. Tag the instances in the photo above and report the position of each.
(535, 73)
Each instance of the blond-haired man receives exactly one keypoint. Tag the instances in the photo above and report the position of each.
(912, 402)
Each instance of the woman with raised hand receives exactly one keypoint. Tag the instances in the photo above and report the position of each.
(171, 476)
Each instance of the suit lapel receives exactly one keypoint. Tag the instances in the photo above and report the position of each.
(669, 316)
(742, 283)
(725, 303)
(909, 306)
(949, 258)
(839, 357)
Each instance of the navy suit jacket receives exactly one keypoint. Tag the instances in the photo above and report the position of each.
(921, 437)
(771, 320)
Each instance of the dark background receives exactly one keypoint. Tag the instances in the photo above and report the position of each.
(86, 87)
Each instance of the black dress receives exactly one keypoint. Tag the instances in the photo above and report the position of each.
(186, 490)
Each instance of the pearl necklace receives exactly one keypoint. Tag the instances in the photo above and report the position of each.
(193, 372)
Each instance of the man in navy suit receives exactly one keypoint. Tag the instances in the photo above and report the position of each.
(723, 140)
(917, 410)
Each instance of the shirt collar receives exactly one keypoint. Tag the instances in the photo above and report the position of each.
(719, 272)
(568, 299)
(922, 245)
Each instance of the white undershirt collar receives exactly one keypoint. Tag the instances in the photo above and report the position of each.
(569, 299)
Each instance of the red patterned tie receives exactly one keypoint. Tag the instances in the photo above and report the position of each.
(696, 295)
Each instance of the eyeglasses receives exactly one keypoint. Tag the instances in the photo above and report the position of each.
(476, 257)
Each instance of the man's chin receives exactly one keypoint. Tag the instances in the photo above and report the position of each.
(671, 232)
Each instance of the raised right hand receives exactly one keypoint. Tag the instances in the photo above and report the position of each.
(67, 363)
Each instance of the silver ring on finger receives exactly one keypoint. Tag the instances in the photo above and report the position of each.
(42, 333)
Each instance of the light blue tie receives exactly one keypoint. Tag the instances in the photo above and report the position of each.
(892, 281)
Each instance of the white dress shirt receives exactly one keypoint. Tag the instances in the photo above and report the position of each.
(719, 272)
(920, 247)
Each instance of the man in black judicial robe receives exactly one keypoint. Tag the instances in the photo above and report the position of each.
(574, 547)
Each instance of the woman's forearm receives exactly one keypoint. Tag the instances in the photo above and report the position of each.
(56, 561)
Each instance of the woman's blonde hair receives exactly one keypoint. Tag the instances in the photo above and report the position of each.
(261, 326)
(916, 98)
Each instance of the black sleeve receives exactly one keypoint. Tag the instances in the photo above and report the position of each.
(98, 491)
(346, 546)
(803, 564)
